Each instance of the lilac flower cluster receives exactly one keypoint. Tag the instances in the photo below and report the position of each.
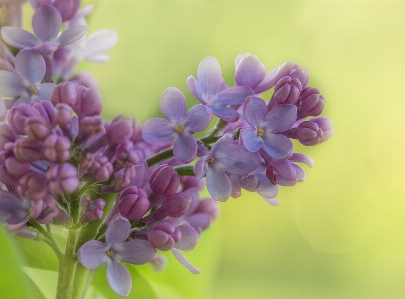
(59, 157)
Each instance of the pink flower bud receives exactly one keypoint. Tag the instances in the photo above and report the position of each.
(63, 178)
(89, 126)
(18, 115)
(309, 133)
(287, 90)
(164, 181)
(85, 162)
(120, 130)
(302, 75)
(33, 185)
(101, 169)
(50, 210)
(164, 236)
(64, 93)
(63, 115)
(6, 135)
(57, 148)
(311, 102)
(37, 128)
(47, 110)
(326, 126)
(27, 150)
(16, 168)
(176, 205)
(67, 8)
(133, 203)
(93, 209)
(88, 103)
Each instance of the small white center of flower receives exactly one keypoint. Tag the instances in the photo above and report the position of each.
(179, 129)
(33, 89)
(260, 132)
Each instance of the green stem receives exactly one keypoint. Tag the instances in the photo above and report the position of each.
(159, 157)
(49, 239)
(67, 268)
(185, 170)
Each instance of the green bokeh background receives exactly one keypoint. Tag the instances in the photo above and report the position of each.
(341, 233)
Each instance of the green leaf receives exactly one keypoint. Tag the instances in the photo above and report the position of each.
(13, 282)
(45, 280)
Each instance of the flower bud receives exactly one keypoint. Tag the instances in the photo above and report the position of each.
(67, 8)
(311, 102)
(208, 206)
(57, 148)
(33, 185)
(63, 178)
(37, 128)
(125, 155)
(101, 169)
(326, 126)
(84, 79)
(309, 133)
(47, 110)
(63, 114)
(50, 210)
(88, 102)
(191, 182)
(302, 75)
(176, 205)
(164, 235)
(6, 135)
(122, 179)
(16, 168)
(93, 209)
(64, 93)
(285, 70)
(18, 115)
(164, 181)
(287, 90)
(85, 162)
(89, 126)
(133, 203)
(27, 150)
(120, 130)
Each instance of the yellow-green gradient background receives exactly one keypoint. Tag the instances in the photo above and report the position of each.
(341, 233)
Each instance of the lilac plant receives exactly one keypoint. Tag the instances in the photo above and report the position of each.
(60, 161)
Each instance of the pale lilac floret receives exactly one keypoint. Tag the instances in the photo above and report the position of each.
(264, 128)
(225, 157)
(46, 22)
(161, 132)
(208, 89)
(114, 252)
(25, 84)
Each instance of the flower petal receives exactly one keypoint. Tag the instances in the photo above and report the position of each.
(118, 231)
(30, 66)
(220, 147)
(19, 38)
(297, 157)
(232, 96)
(198, 118)
(209, 78)
(200, 168)
(267, 189)
(9, 203)
(99, 42)
(250, 139)
(239, 161)
(46, 47)
(119, 278)
(158, 131)
(183, 260)
(192, 87)
(25, 99)
(281, 118)
(218, 183)
(136, 252)
(92, 254)
(277, 146)
(267, 83)
(11, 85)
(250, 72)
(46, 23)
(71, 35)
(284, 169)
(226, 113)
(45, 90)
(254, 111)
(173, 104)
(189, 237)
(185, 148)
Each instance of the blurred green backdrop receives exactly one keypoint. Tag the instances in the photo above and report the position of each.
(340, 234)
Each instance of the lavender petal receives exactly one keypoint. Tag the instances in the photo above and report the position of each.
(11, 85)
(277, 146)
(30, 66)
(239, 161)
(250, 72)
(9, 203)
(198, 118)
(183, 260)
(92, 254)
(185, 148)
(192, 87)
(45, 90)
(71, 35)
(18, 38)
(267, 189)
(46, 23)
(268, 82)
(119, 278)
(118, 231)
(158, 131)
(189, 238)
(297, 157)
(173, 104)
(250, 139)
(99, 42)
(200, 168)
(136, 252)
(281, 118)
(209, 78)
(220, 147)
(226, 113)
(218, 183)
(254, 111)
(232, 96)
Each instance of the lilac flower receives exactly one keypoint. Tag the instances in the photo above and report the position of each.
(46, 22)
(208, 90)
(26, 84)
(114, 252)
(164, 181)
(160, 132)
(224, 156)
(264, 129)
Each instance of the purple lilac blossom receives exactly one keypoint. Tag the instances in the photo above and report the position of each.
(179, 127)
(114, 252)
(208, 90)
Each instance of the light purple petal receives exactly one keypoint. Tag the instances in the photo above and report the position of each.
(18, 37)
(45, 91)
(158, 131)
(30, 66)
(249, 137)
(25, 99)
(71, 35)
(46, 47)
(199, 221)
(277, 146)
(220, 147)
(284, 169)
(119, 278)
(226, 113)
(136, 252)
(46, 23)
(93, 254)
(281, 118)
(200, 168)
(301, 175)
(209, 78)
(11, 85)
(173, 104)
(283, 182)
(141, 176)
(267, 83)
(239, 58)
(99, 42)
(250, 72)
(239, 161)
(192, 87)
(185, 148)
(254, 111)
(267, 189)
(218, 183)
(9, 203)
(232, 96)
(198, 118)
(297, 157)
(118, 231)
(271, 201)
(183, 260)
(189, 238)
